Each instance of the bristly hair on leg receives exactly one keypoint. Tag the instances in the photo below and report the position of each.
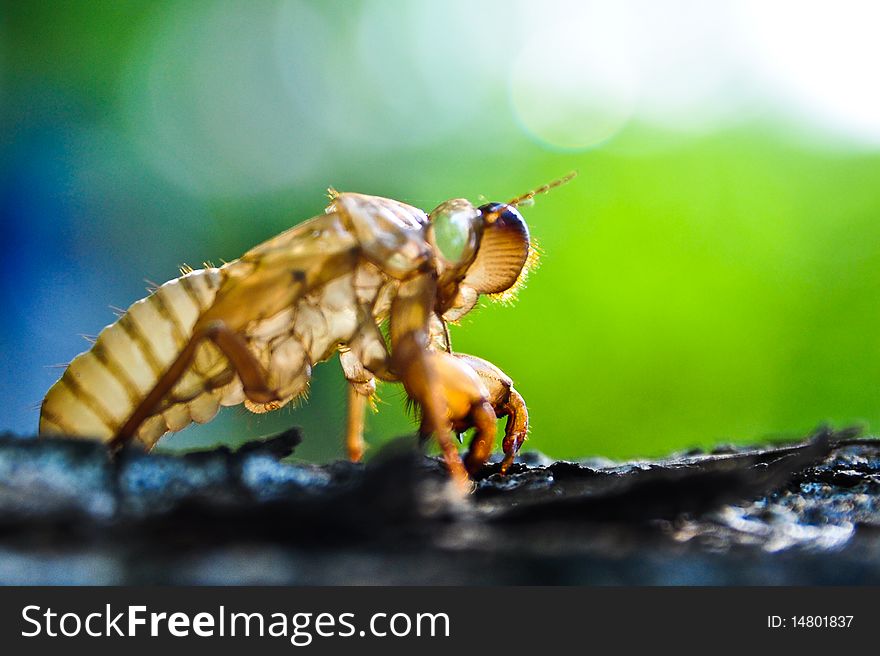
(412, 409)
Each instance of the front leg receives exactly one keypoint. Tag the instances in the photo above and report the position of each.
(505, 400)
(447, 390)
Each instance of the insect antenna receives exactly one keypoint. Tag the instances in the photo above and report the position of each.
(528, 197)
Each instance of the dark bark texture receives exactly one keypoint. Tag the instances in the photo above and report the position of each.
(805, 513)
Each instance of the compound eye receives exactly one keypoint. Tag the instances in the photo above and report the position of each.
(452, 230)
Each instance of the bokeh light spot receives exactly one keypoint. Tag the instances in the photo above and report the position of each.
(573, 85)
(204, 99)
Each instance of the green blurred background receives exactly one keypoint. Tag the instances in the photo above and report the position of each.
(712, 275)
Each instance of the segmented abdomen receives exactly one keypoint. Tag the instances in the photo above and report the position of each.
(102, 387)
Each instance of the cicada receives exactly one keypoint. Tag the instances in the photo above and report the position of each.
(374, 279)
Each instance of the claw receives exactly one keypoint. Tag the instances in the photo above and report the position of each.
(507, 462)
(512, 444)
(513, 441)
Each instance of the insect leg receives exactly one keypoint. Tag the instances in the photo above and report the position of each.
(233, 346)
(446, 390)
(516, 429)
(422, 380)
(354, 427)
(361, 386)
(482, 417)
(505, 400)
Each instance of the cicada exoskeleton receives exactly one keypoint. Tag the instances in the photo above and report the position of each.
(251, 330)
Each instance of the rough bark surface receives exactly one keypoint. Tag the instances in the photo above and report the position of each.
(805, 513)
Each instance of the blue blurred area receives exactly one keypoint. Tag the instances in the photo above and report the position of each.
(712, 275)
